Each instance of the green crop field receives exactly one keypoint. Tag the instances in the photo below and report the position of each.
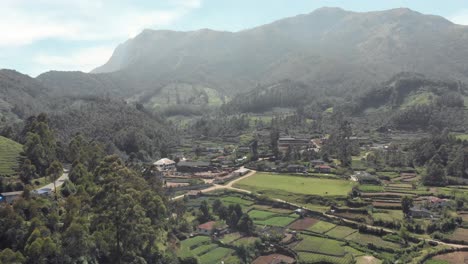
(260, 215)
(306, 257)
(245, 241)
(371, 188)
(365, 239)
(203, 249)
(321, 245)
(215, 256)
(230, 237)
(321, 227)
(341, 232)
(195, 241)
(280, 221)
(388, 215)
(265, 182)
(9, 155)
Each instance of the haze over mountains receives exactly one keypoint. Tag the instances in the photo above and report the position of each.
(330, 49)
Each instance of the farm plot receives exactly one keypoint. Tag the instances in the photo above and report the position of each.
(187, 246)
(304, 223)
(449, 258)
(215, 255)
(260, 215)
(306, 257)
(388, 215)
(245, 241)
(340, 232)
(230, 238)
(9, 156)
(321, 227)
(365, 239)
(270, 183)
(280, 221)
(320, 245)
(367, 260)
(460, 234)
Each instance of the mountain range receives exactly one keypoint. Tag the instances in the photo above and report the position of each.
(328, 49)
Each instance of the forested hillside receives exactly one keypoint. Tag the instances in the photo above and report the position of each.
(20, 96)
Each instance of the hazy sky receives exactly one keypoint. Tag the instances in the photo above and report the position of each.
(41, 35)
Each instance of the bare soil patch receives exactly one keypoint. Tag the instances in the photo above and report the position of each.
(455, 257)
(303, 224)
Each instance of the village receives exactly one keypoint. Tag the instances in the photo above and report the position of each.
(306, 207)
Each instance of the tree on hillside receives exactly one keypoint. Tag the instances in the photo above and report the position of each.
(246, 225)
(40, 145)
(54, 172)
(406, 204)
(27, 172)
(435, 173)
(274, 136)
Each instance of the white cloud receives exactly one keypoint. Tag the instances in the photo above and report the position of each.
(460, 17)
(97, 26)
(24, 22)
(81, 60)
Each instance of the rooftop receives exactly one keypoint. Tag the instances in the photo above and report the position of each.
(164, 161)
(208, 225)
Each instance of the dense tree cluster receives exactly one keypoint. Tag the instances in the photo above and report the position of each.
(121, 127)
(442, 155)
(113, 215)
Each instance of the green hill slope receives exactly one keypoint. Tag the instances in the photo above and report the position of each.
(9, 156)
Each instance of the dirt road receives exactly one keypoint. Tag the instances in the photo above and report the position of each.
(228, 186)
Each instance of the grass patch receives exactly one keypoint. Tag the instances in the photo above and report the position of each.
(365, 239)
(320, 245)
(341, 232)
(260, 215)
(371, 188)
(265, 182)
(306, 257)
(227, 239)
(215, 256)
(321, 227)
(280, 221)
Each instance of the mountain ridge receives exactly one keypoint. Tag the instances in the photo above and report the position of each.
(329, 48)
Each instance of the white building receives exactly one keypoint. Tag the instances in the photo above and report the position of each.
(165, 165)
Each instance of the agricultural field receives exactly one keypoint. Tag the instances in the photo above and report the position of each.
(321, 227)
(460, 234)
(320, 245)
(388, 215)
(303, 224)
(365, 239)
(280, 221)
(307, 257)
(9, 155)
(340, 232)
(216, 255)
(449, 258)
(204, 250)
(269, 183)
(260, 215)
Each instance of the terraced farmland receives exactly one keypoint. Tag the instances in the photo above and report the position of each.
(9, 155)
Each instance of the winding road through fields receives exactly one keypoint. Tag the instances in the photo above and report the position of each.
(228, 186)
(252, 172)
